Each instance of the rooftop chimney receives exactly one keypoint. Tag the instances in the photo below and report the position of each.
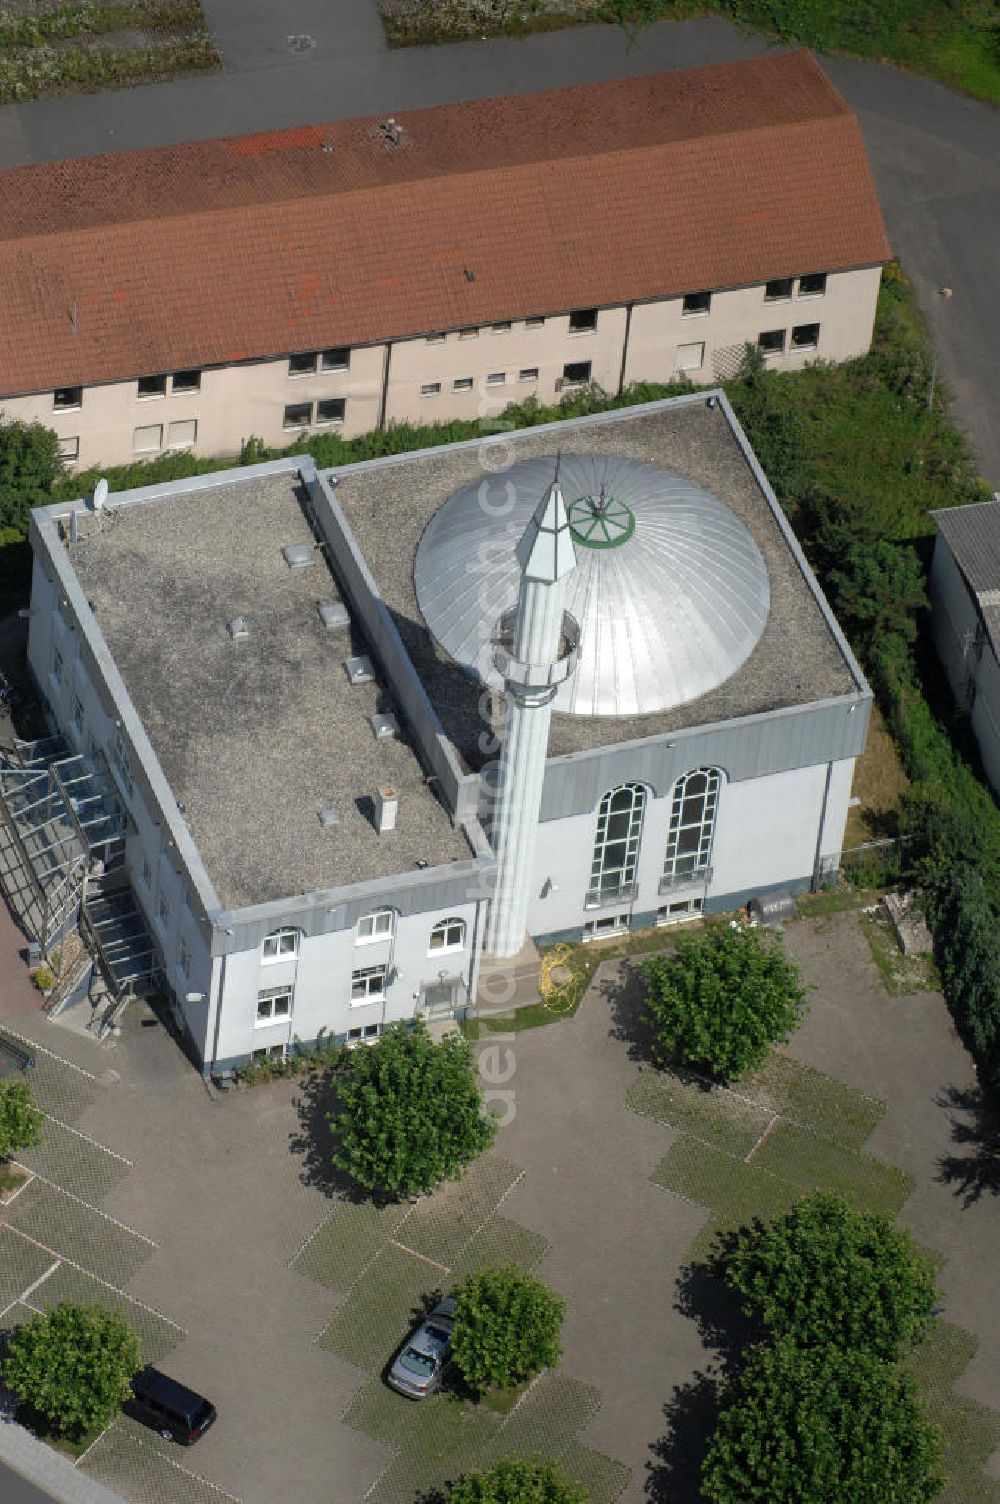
(386, 809)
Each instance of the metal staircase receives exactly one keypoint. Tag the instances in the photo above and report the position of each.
(62, 855)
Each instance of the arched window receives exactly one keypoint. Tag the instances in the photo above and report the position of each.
(616, 848)
(692, 824)
(448, 934)
(281, 945)
(378, 925)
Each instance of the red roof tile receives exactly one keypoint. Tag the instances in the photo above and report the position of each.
(329, 235)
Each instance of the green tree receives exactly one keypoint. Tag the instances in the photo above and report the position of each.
(29, 465)
(878, 591)
(20, 1120)
(821, 1426)
(73, 1366)
(410, 1112)
(507, 1326)
(518, 1480)
(722, 999)
(824, 1273)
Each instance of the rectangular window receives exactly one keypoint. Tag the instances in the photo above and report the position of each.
(435, 339)
(302, 365)
(500, 328)
(771, 342)
(696, 303)
(583, 321)
(269, 1052)
(58, 668)
(64, 398)
(368, 985)
(69, 449)
(281, 945)
(147, 873)
(462, 384)
(182, 435)
(778, 291)
(121, 759)
(805, 336)
(449, 934)
(534, 323)
(151, 386)
(274, 1004)
(812, 286)
(691, 357)
(337, 359)
(497, 378)
(431, 389)
(576, 373)
(362, 1032)
(331, 410)
(78, 712)
(686, 908)
(297, 415)
(148, 439)
(468, 333)
(528, 373)
(184, 958)
(185, 381)
(163, 910)
(608, 924)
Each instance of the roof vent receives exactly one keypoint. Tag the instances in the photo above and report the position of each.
(299, 555)
(385, 727)
(238, 628)
(334, 617)
(359, 670)
(386, 809)
(328, 817)
(392, 131)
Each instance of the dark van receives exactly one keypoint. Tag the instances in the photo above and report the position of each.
(170, 1408)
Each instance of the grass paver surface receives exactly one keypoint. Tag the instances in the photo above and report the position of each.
(344, 1245)
(820, 1102)
(971, 1430)
(708, 1112)
(78, 1232)
(75, 1163)
(21, 1263)
(126, 1459)
(59, 1089)
(812, 1163)
(442, 1225)
(501, 1241)
(368, 1329)
(156, 1334)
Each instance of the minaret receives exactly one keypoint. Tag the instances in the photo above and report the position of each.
(535, 651)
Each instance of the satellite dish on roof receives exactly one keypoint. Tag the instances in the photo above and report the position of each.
(100, 495)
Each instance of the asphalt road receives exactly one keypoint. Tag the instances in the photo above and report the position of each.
(935, 154)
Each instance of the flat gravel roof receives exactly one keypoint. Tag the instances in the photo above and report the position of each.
(255, 737)
(798, 659)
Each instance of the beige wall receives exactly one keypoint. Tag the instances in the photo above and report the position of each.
(238, 401)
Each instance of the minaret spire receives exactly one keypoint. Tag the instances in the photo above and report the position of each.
(536, 650)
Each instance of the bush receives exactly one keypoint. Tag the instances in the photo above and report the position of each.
(29, 466)
(518, 1480)
(73, 1366)
(20, 1120)
(821, 1426)
(410, 1112)
(722, 999)
(826, 1274)
(507, 1326)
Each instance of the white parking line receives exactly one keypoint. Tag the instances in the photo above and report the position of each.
(89, 1205)
(34, 1045)
(115, 1289)
(95, 1142)
(39, 1281)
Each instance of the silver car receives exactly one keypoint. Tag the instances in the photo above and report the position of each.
(420, 1364)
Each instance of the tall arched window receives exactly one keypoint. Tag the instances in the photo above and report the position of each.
(616, 848)
(692, 824)
(448, 934)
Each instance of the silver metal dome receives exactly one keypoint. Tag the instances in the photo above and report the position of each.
(670, 590)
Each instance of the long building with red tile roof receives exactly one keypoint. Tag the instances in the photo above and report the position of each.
(337, 275)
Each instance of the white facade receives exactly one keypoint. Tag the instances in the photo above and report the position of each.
(462, 373)
(968, 655)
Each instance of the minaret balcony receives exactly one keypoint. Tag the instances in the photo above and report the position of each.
(531, 676)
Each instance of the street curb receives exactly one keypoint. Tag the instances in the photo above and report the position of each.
(38, 1464)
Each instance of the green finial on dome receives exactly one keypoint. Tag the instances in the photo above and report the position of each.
(601, 521)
